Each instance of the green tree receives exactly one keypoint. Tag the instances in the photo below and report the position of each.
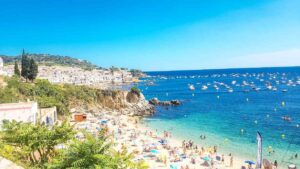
(35, 143)
(25, 64)
(94, 153)
(16, 69)
(33, 70)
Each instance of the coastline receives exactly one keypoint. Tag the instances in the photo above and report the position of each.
(130, 132)
(174, 141)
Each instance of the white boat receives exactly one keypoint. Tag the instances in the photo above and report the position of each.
(191, 87)
(204, 87)
(230, 90)
(256, 88)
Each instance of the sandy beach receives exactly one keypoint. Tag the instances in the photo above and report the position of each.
(158, 150)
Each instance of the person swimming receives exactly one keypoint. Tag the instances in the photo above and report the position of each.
(202, 137)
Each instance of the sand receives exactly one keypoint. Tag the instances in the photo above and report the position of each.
(128, 132)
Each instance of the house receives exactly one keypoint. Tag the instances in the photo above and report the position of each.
(23, 111)
(27, 112)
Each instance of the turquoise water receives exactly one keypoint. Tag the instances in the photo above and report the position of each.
(253, 105)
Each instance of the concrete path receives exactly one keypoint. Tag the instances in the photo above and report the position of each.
(7, 164)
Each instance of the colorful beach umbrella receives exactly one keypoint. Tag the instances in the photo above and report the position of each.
(206, 158)
(154, 151)
(249, 162)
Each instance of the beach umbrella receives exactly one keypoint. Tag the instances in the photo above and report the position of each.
(250, 162)
(154, 151)
(173, 166)
(206, 158)
(163, 141)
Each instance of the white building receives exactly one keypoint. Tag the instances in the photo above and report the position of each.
(25, 112)
(28, 112)
(1, 63)
(2, 72)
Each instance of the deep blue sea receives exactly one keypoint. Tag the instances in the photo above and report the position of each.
(229, 106)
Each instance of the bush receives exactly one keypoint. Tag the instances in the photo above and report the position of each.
(34, 145)
(47, 94)
(135, 90)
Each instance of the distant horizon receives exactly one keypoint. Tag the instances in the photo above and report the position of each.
(225, 68)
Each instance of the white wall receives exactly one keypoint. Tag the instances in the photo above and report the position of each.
(24, 115)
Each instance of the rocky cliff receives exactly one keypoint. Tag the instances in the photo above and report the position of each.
(129, 103)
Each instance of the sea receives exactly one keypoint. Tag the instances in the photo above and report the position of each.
(229, 107)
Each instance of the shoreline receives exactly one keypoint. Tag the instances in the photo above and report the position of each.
(129, 131)
(237, 162)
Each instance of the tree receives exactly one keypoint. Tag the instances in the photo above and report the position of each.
(16, 69)
(25, 63)
(35, 143)
(94, 153)
(33, 70)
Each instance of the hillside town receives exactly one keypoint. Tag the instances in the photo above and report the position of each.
(99, 78)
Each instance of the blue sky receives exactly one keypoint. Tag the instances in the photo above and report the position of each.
(156, 34)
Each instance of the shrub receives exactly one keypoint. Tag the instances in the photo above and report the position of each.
(135, 90)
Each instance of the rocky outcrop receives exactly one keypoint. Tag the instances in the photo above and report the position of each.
(175, 102)
(129, 103)
(156, 102)
(133, 97)
(137, 105)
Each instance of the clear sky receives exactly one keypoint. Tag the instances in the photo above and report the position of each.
(156, 34)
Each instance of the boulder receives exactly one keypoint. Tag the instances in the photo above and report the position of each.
(176, 102)
(132, 97)
(156, 102)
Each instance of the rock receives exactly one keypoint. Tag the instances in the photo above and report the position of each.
(140, 107)
(123, 101)
(132, 97)
(156, 102)
(165, 103)
(176, 102)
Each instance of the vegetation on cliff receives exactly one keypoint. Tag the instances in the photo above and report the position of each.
(65, 96)
(51, 60)
(58, 60)
(46, 94)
